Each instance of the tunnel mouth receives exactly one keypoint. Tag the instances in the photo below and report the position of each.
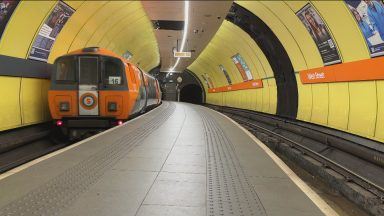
(191, 93)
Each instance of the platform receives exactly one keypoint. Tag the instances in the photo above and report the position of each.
(178, 159)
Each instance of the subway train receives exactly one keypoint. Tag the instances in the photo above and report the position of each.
(93, 89)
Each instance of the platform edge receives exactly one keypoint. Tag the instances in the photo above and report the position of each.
(311, 194)
(57, 152)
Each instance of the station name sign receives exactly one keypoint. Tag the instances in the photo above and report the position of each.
(368, 69)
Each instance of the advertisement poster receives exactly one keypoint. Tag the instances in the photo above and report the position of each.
(6, 10)
(369, 15)
(208, 81)
(205, 79)
(225, 74)
(48, 32)
(242, 67)
(320, 34)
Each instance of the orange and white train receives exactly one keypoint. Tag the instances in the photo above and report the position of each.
(94, 88)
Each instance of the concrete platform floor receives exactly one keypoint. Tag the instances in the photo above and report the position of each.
(179, 159)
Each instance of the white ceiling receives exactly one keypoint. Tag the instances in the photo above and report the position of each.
(204, 16)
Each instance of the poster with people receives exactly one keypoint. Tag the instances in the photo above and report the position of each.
(242, 67)
(48, 32)
(6, 9)
(369, 15)
(225, 74)
(320, 34)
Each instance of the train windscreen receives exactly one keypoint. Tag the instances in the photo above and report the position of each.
(66, 69)
(88, 70)
(113, 71)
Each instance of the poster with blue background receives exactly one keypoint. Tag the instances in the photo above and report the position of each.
(242, 67)
(48, 32)
(369, 15)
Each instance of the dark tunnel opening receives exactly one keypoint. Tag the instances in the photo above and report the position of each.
(191, 94)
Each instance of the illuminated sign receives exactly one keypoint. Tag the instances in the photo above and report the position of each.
(182, 54)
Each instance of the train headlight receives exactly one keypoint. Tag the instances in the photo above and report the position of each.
(64, 106)
(112, 107)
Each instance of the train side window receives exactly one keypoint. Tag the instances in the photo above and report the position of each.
(66, 69)
(113, 70)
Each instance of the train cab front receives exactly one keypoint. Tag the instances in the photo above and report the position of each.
(88, 92)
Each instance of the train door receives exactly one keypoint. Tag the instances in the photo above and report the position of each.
(88, 86)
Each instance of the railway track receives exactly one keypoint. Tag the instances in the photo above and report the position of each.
(350, 169)
(22, 146)
(349, 175)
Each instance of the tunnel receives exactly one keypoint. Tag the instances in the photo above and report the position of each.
(268, 89)
(191, 94)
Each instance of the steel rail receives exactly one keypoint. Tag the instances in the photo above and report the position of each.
(348, 174)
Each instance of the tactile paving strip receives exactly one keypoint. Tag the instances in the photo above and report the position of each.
(58, 193)
(228, 190)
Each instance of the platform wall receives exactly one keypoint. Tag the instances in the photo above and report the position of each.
(115, 25)
(353, 106)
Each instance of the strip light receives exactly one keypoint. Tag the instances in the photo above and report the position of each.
(186, 21)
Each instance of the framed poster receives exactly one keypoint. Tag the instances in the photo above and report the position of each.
(225, 74)
(48, 32)
(6, 10)
(320, 34)
(208, 81)
(369, 16)
(242, 67)
(205, 80)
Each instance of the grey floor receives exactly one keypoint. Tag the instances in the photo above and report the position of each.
(178, 159)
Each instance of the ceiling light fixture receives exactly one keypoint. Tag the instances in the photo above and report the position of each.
(186, 21)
